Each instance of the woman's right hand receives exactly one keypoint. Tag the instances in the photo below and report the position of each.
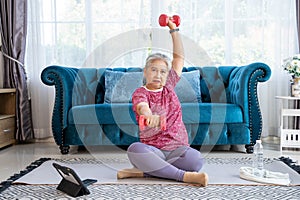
(152, 120)
(171, 24)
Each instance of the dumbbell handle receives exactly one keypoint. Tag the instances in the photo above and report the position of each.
(164, 19)
(143, 122)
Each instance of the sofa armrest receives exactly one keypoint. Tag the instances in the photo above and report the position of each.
(243, 91)
(63, 79)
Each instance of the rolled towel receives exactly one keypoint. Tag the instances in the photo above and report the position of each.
(269, 177)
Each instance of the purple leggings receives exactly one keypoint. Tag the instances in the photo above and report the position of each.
(164, 164)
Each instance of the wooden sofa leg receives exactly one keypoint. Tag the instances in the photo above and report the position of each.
(249, 148)
(64, 149)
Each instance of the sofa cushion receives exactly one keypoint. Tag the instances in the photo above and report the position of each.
(119, 86)
(117, 113)
(188, 88)
(192, 113)
(211, 113)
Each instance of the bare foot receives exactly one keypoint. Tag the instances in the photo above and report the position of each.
(130, 173)
(196, 177)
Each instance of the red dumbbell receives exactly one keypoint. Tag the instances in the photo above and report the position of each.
(164, 19)
(163, 122)
(143, 123)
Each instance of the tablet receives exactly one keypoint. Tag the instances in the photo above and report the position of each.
(71, 183)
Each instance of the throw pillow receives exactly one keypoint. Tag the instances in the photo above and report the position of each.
(119, 86)
(188, 88)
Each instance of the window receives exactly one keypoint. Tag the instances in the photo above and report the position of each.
(72, 29)
(231, 31)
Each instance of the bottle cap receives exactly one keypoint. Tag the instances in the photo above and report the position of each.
(258, 141)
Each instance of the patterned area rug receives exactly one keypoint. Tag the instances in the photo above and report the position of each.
(147, 191)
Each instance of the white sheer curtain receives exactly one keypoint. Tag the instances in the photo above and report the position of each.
(36, 58)
(230, 32)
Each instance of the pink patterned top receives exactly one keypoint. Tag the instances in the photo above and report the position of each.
(163, 102)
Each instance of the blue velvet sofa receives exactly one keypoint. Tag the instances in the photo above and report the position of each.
(93, 105)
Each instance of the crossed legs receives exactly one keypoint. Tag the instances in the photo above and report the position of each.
(182, 164)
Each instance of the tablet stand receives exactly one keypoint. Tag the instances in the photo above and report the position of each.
(72, 189)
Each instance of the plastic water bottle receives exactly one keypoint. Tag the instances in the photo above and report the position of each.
(258, 161)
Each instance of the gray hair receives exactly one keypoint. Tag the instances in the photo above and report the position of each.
(157, 56)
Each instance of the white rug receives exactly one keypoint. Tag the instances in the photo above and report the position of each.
(221, 171)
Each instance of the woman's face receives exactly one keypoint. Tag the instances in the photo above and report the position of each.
(156, 74)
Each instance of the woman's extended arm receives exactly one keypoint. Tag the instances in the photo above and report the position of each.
(178, 51)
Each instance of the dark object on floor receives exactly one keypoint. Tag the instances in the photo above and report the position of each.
(290, 163)
(71, 184)
(81, 148)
